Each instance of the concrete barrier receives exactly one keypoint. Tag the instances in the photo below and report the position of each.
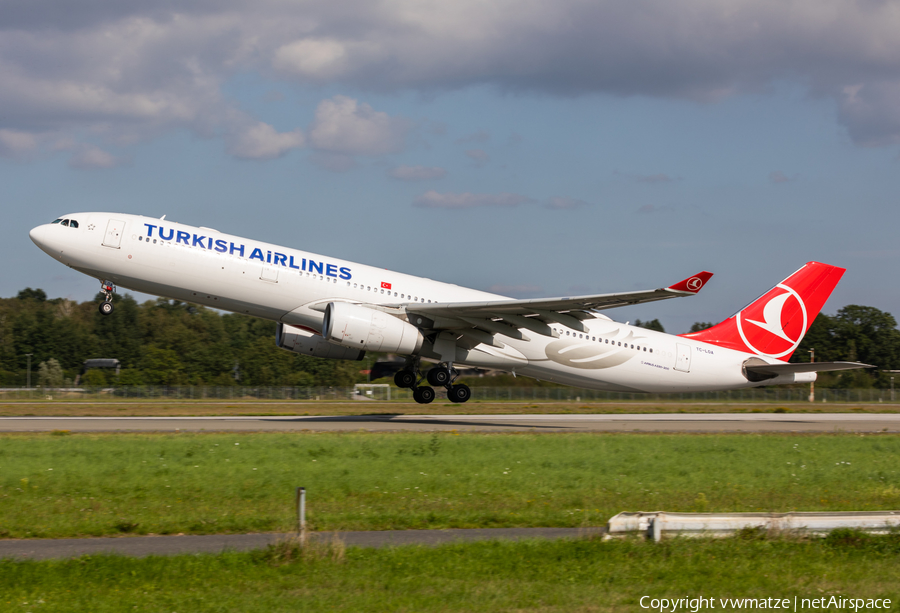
(658, 524)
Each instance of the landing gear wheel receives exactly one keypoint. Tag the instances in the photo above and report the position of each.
(405, 378)
(438, 376)
(459, 393)
(107, 289)
(423, 395)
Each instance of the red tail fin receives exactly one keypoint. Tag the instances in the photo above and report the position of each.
(774, 324)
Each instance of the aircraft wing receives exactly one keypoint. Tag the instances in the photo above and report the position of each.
(535, 314)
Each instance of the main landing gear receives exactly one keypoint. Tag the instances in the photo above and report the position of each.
(107, 289)
(439, 376)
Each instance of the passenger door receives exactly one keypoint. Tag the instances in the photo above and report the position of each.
(113, 236)
(682, 357)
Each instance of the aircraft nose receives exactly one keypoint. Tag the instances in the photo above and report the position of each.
(40, 237)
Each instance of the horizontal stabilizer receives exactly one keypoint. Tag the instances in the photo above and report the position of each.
(757, 370)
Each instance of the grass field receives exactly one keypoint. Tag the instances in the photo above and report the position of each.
(590, 576)
(73, 485)
(117, 408)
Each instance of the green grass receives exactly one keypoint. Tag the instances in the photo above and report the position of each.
(75, 485)
(549, 576)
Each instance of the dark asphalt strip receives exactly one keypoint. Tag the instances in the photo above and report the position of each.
(140, 546)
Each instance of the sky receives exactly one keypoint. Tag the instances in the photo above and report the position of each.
(529, 148)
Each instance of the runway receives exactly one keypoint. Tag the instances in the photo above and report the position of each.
(697, 423)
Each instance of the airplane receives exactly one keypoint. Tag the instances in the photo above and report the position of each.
(334, 309)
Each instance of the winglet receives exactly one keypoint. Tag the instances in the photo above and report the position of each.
(693, 284)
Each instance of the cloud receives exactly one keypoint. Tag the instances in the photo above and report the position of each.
(17, 144)
(776, 176)
(343, 125)
(479, 155)
(262, 142)
(90, 158)
(565, 203)
(134, 70)
(435, 200)
(417, 173)
(318, 58)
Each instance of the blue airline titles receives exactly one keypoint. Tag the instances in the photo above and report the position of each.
(274, 258)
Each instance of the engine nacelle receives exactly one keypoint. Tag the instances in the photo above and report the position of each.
(308, 343)
(356, 326)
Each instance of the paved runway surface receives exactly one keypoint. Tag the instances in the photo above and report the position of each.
(712, 422)
(140, 546)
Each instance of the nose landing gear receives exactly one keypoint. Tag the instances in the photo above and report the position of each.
(439, 376)
(107, 289)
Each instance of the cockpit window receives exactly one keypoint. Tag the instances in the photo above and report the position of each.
(73, 223)
(57, 221)
(65, 222)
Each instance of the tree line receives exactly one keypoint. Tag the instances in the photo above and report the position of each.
(167, 342)
(159, 342)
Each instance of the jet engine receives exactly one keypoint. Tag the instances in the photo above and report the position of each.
(356, 326)
(308, 343)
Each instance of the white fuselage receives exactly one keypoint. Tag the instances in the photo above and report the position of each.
(204, 266)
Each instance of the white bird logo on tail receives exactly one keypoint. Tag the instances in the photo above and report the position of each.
(771, 323)
(772, 317)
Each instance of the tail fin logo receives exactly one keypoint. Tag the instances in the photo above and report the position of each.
(694, 284)
(763, 325)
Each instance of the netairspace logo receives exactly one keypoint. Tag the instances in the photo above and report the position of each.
(694, 605)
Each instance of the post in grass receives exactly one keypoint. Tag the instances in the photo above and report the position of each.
(301, 514)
